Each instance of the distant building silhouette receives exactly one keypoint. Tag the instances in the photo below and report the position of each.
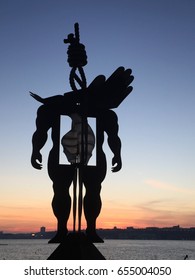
(149, 233)
(42, 230)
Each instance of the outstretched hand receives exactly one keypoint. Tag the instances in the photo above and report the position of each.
(116, 164)
(36, 160)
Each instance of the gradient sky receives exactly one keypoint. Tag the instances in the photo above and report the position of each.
(156, 186)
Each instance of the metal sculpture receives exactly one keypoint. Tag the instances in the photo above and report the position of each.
(83, 102)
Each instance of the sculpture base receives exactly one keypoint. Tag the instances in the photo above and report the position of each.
(76, 246)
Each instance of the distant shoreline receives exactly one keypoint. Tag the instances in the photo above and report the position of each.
(130, 233)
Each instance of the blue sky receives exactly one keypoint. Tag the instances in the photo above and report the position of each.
(156, 186)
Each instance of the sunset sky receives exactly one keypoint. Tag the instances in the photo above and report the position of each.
(156, 186)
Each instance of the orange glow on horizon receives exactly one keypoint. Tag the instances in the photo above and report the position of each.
(33, 227)
(29, 219)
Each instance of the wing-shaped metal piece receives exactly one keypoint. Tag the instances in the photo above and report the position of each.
(110, 93)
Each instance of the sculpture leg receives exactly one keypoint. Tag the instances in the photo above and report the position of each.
(92, 200)
(92, 208)
(61, 202)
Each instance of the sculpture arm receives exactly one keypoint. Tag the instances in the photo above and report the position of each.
(115, 146)
(114, 141)
(38, 141)
(40, 136)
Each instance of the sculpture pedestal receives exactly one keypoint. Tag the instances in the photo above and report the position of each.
(76, 246)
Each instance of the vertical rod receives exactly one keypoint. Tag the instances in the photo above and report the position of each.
(80, 198)
(81, 166)
(76, 31)
(74, 199)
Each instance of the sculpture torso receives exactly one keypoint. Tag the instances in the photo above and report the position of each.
(74, 144)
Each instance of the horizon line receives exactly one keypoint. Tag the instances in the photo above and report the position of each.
(114, 228)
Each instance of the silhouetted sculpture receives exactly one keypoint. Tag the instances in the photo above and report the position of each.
(94, 101)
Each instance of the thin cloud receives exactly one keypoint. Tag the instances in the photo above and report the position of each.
(165, 213)
(167, 187)
(26, 208)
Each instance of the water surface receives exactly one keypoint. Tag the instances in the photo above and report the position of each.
(27, 249)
